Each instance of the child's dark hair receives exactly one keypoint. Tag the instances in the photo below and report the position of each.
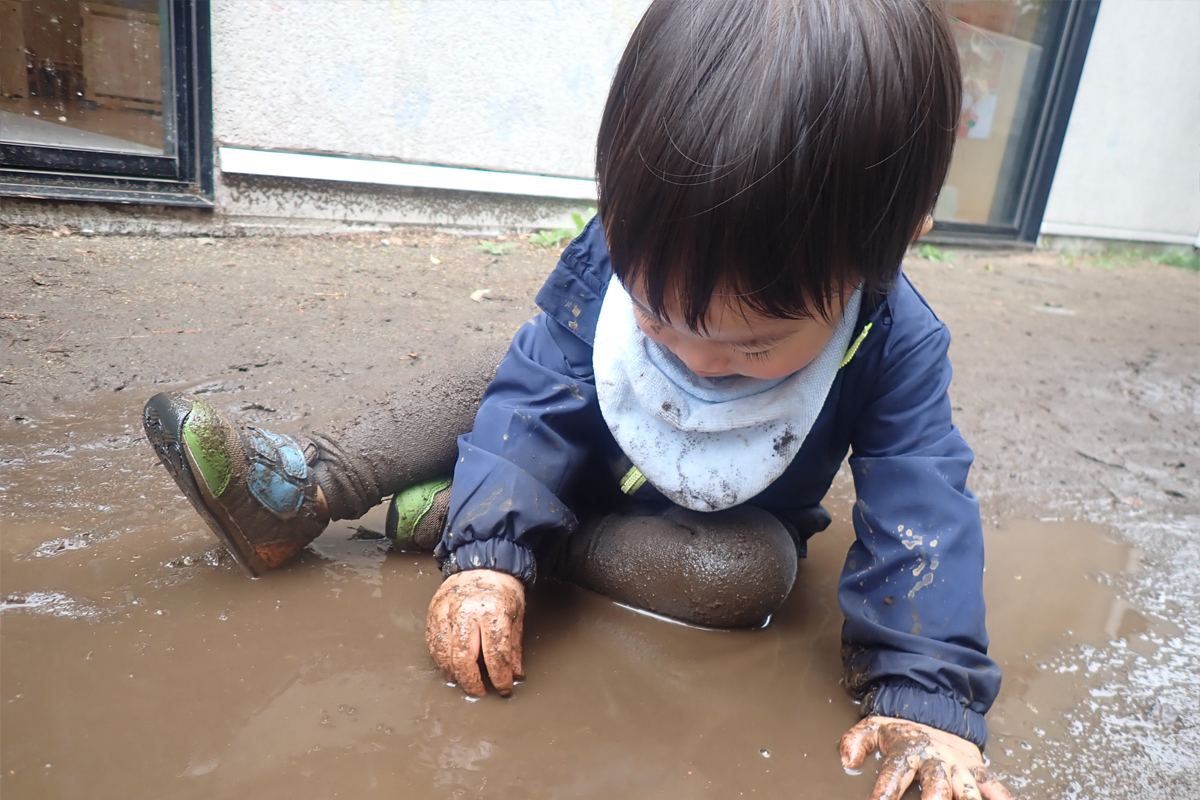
(777, 150)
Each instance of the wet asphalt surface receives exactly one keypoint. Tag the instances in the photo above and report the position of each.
(135, 661)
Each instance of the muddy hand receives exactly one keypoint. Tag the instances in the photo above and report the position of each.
(945, 766)
(473, 612)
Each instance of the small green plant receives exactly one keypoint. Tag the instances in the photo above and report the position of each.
(931, 253)
(496, 248)
(1188, 259)
(552, 238)
(581, 221)
(549, 238)
(1116, 257)
(1124, 256)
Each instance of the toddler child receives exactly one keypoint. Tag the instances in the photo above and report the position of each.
(728, 328)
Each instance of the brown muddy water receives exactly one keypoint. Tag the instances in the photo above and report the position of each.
(137, 662)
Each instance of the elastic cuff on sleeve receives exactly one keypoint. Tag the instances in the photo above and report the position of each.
(498, 554)
(942, 711)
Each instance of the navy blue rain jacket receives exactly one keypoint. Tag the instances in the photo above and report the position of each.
(914, 642)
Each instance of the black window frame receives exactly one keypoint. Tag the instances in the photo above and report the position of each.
(184, 179)
(1056, 84)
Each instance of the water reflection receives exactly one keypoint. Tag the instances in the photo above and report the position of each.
(315, 680)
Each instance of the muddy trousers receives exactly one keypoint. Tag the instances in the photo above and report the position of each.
(730, 568)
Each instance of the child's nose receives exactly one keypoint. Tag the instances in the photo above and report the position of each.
(701, 358)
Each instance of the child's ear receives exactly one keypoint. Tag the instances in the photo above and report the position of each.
(926, 227)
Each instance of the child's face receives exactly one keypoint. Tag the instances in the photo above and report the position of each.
(738, 341)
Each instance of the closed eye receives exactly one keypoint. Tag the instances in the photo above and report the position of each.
(757, 355)
(649, 319)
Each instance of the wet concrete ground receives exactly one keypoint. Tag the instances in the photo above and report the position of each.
(136, 662)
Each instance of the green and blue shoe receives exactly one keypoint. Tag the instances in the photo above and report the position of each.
(253, 487)
(416, 516)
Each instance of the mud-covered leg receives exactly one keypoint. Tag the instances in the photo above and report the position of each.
(266, 496)
(406, 438)
(253, 487)
(727, 569)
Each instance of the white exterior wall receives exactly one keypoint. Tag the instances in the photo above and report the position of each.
(515, 86)
(1130, 163)
(519, 85)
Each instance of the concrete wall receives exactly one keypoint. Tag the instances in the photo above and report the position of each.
(1130, 164)
(516, 85)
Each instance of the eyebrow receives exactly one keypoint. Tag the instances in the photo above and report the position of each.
(763, 342)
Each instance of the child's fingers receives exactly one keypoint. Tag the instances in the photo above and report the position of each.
(437, 638)
(939, 789)
(895, 776)
(858, 742)
(989, 787)
(439, 649)
(965, 787)
(464, 657)
(518, 636)
(497, 653)
(935, 783)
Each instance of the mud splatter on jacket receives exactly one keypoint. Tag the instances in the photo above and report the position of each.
(914, 641)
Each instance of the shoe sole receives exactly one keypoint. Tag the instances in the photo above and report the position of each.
(163, 419)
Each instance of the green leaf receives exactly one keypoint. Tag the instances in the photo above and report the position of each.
(581, 220)
(931, 253)
(549, 238)
(496, 248)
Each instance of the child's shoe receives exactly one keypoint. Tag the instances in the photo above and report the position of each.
(416, 516)
(253, 487)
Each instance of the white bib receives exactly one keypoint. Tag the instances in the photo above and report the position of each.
(707, 444)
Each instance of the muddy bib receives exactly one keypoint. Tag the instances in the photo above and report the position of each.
(707, 444)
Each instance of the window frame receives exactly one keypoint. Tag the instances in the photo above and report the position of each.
(1057, 86)
(185, 179)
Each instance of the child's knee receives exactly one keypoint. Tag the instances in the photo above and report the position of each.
(729, 568)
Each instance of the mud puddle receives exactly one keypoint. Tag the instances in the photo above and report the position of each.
(137, 662)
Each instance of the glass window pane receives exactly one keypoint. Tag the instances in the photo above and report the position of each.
(1000, 45)
(83, 75)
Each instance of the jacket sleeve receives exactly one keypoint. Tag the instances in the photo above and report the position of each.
(914, 644)
(531, 434)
